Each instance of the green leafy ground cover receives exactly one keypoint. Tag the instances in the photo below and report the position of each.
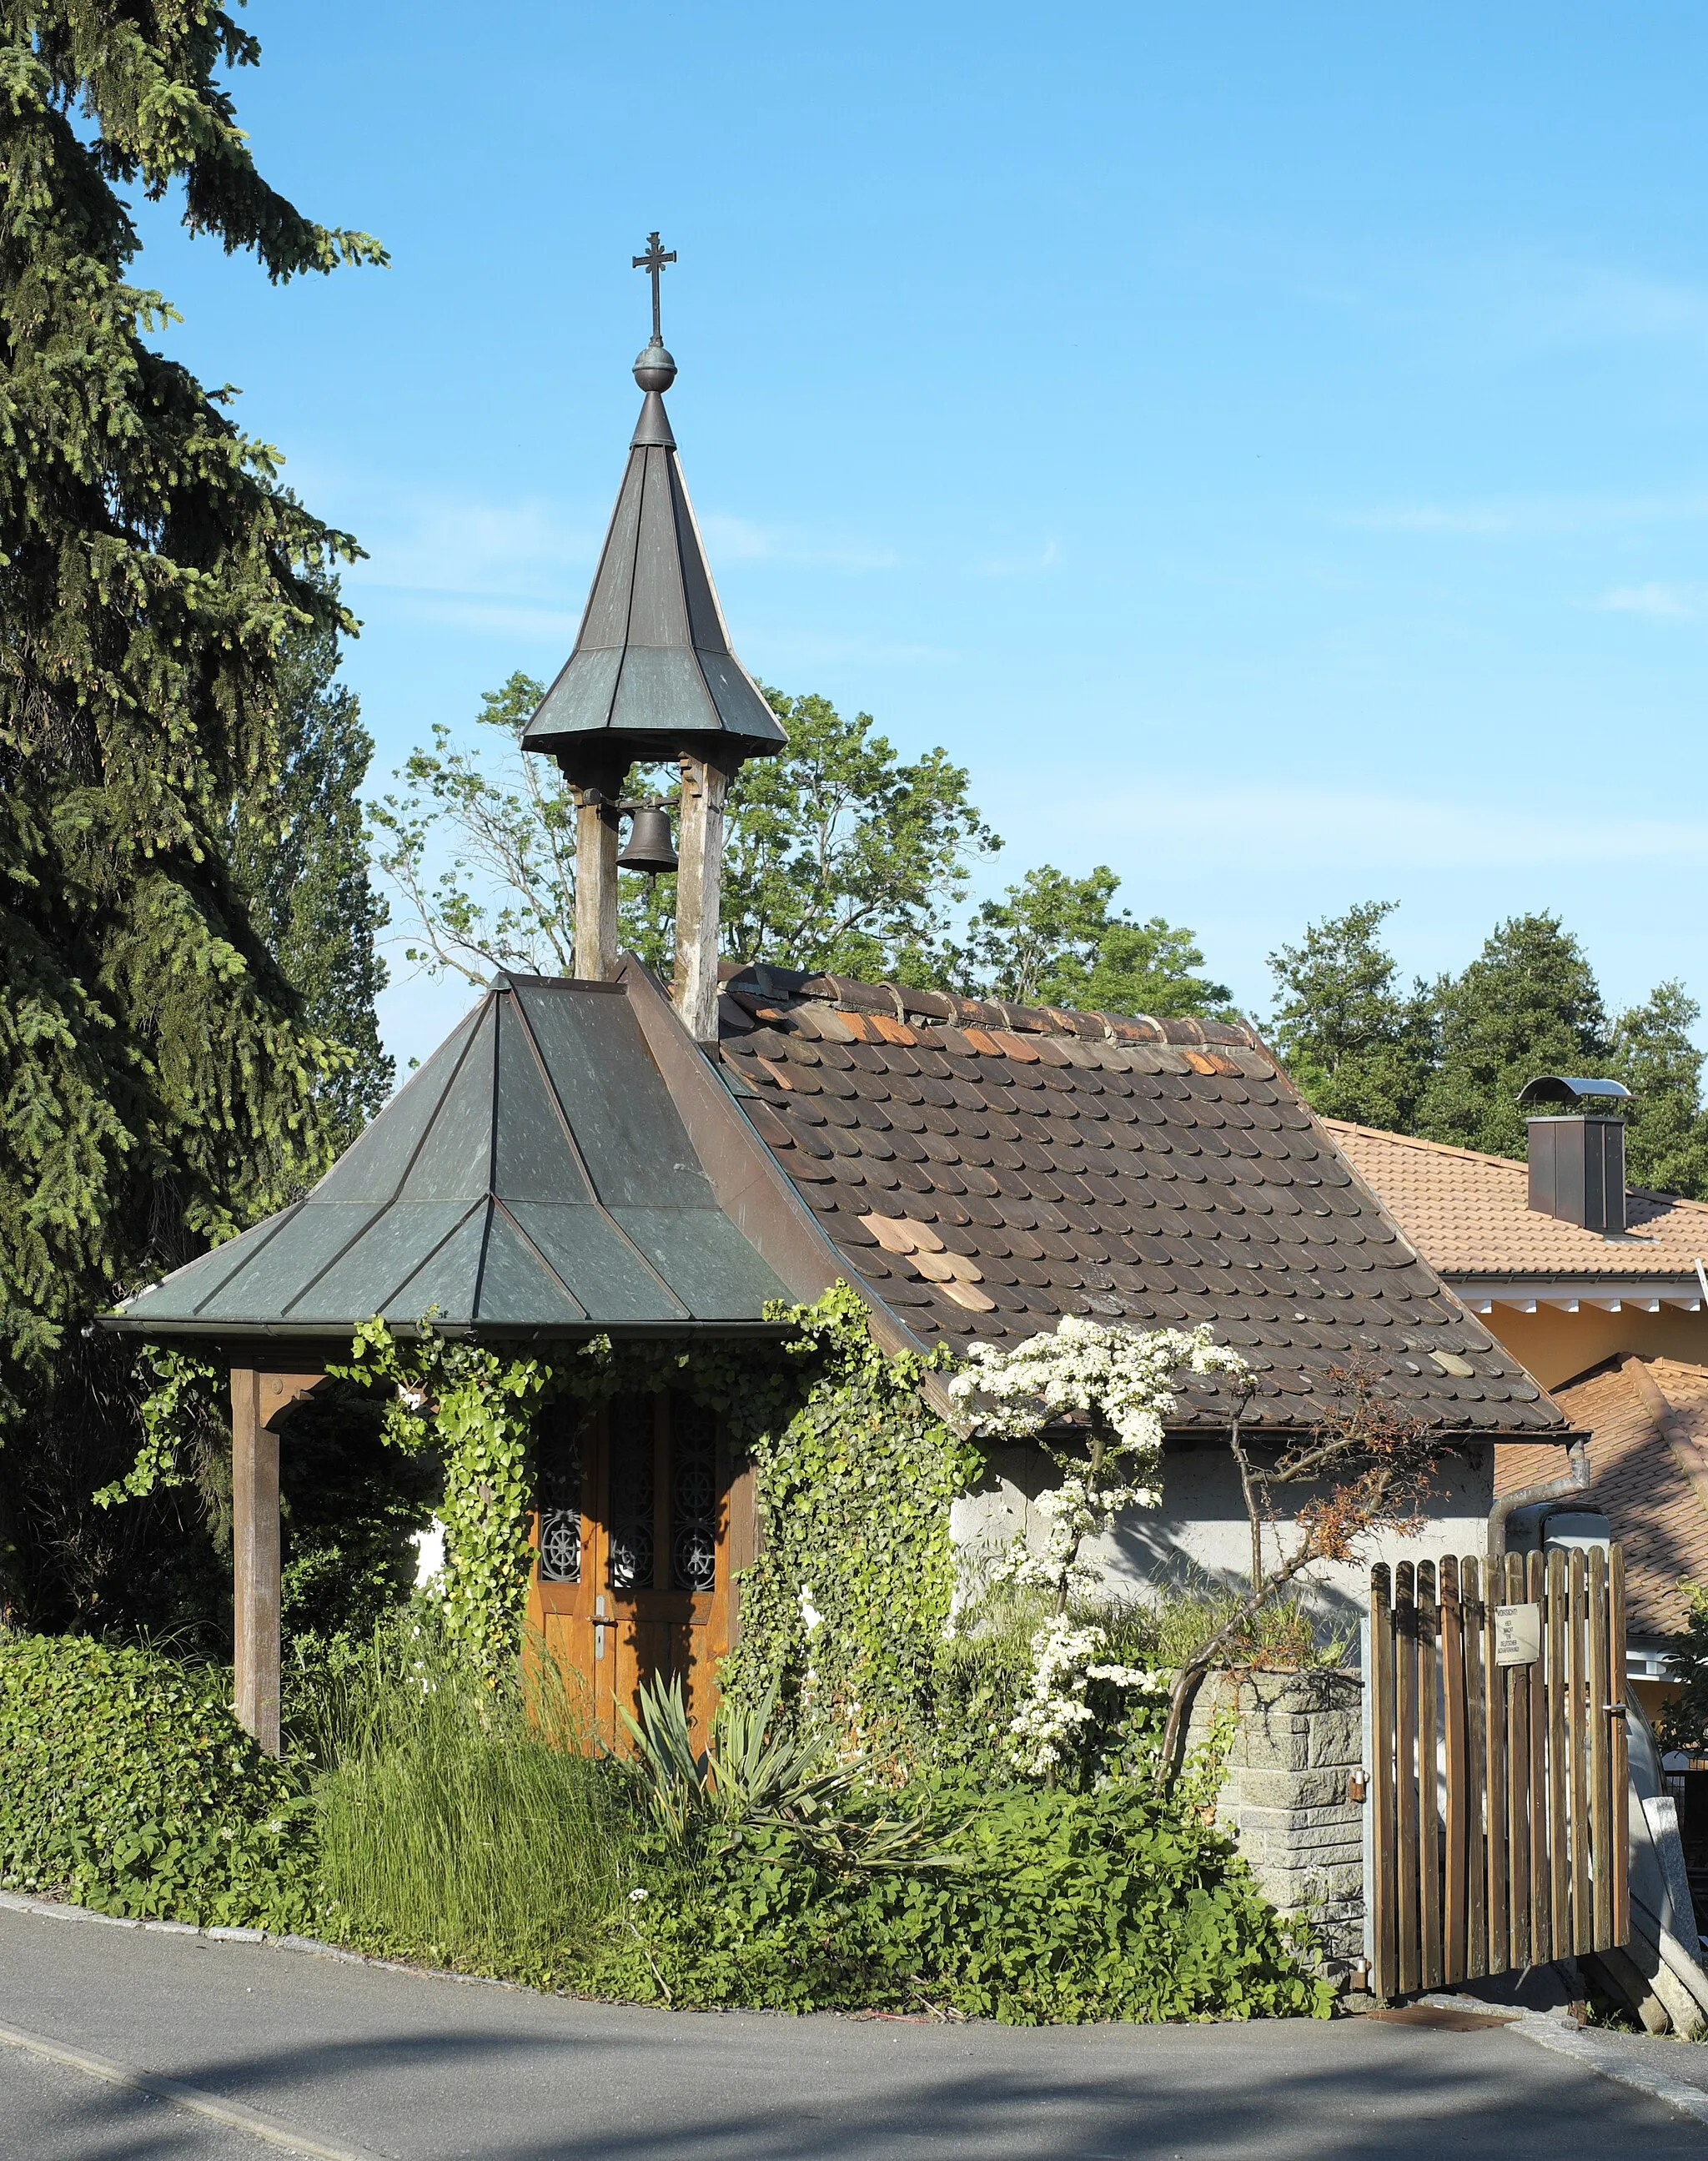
(430, 1812)
(1044, 1908)
(127, 1785)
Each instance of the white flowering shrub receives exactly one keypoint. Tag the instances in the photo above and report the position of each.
(1119, 1383)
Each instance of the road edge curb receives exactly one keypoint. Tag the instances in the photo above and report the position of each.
(1597, 2053)
(65, 1910)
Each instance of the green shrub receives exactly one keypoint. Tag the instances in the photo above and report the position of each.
(127, 1785)
(983, 1670)
(1066, 1906)
(459, 1820)
(1683, 1718)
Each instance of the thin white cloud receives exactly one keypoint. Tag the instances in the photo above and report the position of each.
(1559, 303)
(509, 618)
(741, 540)
(1027, 563)
(521, 550)
(1666, 603)
(1354, 829)
(788, 649)
(1528, 518)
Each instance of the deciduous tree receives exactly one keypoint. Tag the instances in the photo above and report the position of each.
(839, 854)
(1054, 940)
(1666, 1137)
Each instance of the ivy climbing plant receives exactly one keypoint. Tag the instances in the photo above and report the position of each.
(843, 1609)
(478, 1407)
(847, 1602)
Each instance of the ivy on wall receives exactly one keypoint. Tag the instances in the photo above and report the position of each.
(846, 1604)
(477, 1407)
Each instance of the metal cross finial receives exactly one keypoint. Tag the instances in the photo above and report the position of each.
(652, 262)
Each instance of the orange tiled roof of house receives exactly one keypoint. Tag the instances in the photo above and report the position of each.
(1469, 1215)
(1646, 1484)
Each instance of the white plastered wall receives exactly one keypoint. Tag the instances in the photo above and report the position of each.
(1200, 1529)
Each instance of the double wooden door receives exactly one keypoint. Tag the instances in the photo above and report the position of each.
(632, 1560)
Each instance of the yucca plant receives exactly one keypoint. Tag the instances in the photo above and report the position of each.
(750, 1779)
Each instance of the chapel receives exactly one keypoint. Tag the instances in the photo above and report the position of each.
(607, 1155)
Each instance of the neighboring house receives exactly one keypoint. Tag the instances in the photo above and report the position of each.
(584, 1156)
(1561, 1295)
(1610, 1319)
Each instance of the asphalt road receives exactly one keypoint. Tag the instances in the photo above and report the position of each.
(422, 2069)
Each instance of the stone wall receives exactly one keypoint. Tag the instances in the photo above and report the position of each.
(1285, 1797)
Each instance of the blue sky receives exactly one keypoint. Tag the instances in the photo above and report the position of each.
(1267, 446)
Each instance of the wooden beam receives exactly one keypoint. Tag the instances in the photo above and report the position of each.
(260, 1402)
(595, 886)
(699, 853)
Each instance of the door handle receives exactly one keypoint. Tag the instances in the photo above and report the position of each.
(599, 1624)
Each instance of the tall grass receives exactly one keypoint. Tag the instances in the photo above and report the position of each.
(459, 1819)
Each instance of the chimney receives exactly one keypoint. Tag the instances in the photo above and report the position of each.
(1577, 1155)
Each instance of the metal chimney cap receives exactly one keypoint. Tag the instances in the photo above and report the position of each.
(1567, 1088)
(654, 367)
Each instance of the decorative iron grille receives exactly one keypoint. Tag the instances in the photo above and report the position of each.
(634, 1501)
(560, 1507)
(693, 1495)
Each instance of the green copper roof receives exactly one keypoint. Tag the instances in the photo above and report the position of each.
(534, 1176)
(653, 673)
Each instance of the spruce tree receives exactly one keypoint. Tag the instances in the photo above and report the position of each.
(159, 1084)
(1529, 1004)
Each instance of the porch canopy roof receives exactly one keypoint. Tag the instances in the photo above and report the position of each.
(534, 1177)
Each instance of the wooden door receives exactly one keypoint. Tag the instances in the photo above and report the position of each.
(631, 1568)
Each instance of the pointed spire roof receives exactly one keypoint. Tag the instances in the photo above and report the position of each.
(652, 673)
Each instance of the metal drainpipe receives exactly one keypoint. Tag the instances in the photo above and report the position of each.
(1576, 1479)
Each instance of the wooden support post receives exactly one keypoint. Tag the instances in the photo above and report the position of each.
(699, 853)
(259, 1401)
(595, 886)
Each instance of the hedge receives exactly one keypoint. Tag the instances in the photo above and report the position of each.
(127, 1785)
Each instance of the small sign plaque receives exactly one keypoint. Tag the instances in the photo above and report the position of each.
(1517, 1635)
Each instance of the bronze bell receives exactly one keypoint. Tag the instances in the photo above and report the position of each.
(648, 848)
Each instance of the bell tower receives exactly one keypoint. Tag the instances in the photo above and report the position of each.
(653, 677)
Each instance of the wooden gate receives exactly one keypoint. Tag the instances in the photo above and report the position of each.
(1499, 1764)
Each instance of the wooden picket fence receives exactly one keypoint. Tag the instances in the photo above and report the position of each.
(1498, 1791)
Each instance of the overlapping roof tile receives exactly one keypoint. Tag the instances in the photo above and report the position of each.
(987, 1168)
(1471, 1214)
(1637, 1480)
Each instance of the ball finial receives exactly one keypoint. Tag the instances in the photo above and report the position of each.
(653, 368)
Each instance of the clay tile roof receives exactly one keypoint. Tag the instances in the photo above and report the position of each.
(1471, 1214)
(1655, 1497)
(1001, 1166)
